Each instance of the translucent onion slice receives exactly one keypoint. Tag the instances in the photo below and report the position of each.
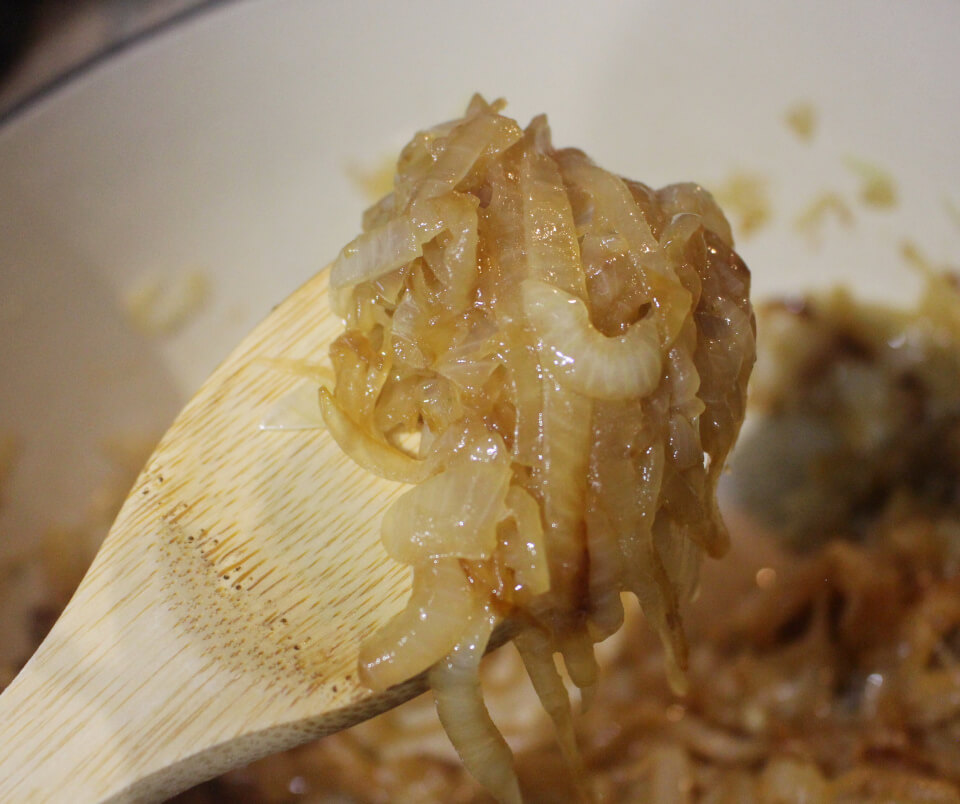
(682, 377)
(525, 551)
(372, 454)
(678, 233)
(680, 555)
(298, 409)
(687, 197)
(616, 211)
(472, 355)
(451, 515)
(670, 628)
(482, 133)
(524, 374)
(584, 359)
(576, 647)
(502, 231)
(456, 270)
(606, 575)
(382, 250)
(549, 234)
(561, 483)
(644, 572)
(456, 688)
(536, 650)
(406, 328)
(684, 442)
(440, 607)
(398, 242)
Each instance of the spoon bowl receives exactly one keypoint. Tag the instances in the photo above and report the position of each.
(221, 620)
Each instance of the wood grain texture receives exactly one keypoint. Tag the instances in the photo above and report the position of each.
(221, 620)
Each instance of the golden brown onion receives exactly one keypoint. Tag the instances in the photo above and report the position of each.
(558, 357)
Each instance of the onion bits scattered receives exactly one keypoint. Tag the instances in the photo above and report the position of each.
(556, 359)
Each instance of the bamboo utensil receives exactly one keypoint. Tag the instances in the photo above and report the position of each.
(221, 619)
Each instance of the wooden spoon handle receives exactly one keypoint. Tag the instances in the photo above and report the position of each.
(220, 622)
(120, 705)
(105, 708)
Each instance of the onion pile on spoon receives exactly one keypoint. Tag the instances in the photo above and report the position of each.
(556, 360)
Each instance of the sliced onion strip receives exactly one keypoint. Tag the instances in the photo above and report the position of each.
(453, 514)
(526, 551)
(549, 235)
(400, 241)
(483, 133)
(618, 213)
(456, 688)
(537, 653)
(561, 482)
(440, 607)
(374, 455)
(587, 361)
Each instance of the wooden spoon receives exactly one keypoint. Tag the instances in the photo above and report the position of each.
(221, 620)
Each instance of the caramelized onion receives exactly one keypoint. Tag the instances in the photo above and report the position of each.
(440, 607)
(558, 357)
(451, 515)
(589, 362)
(372, 454)
(525, 551)
(456, 685)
